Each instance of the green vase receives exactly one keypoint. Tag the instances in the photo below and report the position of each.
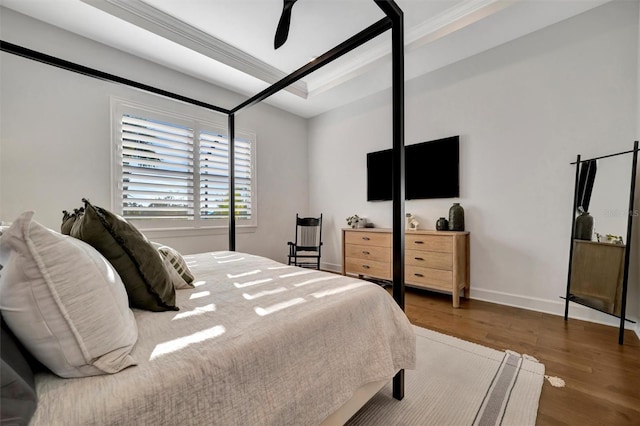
(456, 217)
(442, 224)
(584, 226)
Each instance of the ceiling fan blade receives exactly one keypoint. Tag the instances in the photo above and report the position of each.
(282, 32)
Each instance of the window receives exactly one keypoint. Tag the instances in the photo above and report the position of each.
(172, 170)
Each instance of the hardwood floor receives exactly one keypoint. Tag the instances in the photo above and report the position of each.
(602, 378)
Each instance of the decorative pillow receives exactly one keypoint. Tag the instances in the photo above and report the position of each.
(64, 302)
(18, 400)
(68, 219)
(145, 278)
(175, 264)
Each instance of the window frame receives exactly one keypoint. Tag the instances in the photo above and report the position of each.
(193, 120)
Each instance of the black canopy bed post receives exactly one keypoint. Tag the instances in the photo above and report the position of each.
(397, 42)
(232, 182)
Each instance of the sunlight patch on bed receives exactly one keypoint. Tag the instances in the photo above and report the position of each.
(263, 293)
(315, 280)
(250, 283)
(199, 294)
(278, 306)
(295, 274)
(338, 290)
(244, 274)
(226, 256)
(231, 260)
(198, 283)
(182, 342)
(194, 312)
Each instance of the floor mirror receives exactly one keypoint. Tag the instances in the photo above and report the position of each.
(601, 233)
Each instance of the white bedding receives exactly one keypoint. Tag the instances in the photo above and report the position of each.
(256, 342)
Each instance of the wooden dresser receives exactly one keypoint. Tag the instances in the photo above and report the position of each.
(434, 260)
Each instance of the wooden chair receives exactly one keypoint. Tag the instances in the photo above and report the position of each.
(306, 250)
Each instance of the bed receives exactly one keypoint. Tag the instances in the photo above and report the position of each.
(347, 337)
(255, 342)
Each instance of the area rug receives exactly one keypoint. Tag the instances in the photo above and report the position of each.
(459, 383)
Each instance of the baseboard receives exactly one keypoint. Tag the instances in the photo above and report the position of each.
(331, 267)
(552, 307)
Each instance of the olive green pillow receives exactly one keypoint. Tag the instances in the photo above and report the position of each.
(140, 266)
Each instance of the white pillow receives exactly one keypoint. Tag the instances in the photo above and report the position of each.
(176, 266)
(65, 302)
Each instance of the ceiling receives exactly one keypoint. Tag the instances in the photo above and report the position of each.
(230, 42)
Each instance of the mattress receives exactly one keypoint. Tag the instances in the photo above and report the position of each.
(255, 342)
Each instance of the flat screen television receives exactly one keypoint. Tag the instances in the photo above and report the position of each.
(431, 171)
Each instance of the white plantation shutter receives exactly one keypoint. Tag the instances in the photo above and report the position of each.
(172, 172)
(244, 176)
(214, 177)
(157, 169)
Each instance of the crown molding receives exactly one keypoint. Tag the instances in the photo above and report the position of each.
(154, 20)
(459, 16)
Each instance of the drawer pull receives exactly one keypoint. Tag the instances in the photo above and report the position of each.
(365, 266)
(418, 258)
(365, 252)
(418, 275)
(366, 238)
(419, 242)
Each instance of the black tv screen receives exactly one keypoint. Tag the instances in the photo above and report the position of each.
(431, 171)
(379, 175)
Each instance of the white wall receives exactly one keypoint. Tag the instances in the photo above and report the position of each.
(55, 136)
(523, 111)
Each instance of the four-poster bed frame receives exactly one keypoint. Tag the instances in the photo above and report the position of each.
(394, 21)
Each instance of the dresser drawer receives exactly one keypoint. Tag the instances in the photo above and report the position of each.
(371, 268)
(438, 243)
(435, 260)
(382, 254)
(429, 277)
(381, 239)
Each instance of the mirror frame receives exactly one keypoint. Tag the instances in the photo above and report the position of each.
(632, 189)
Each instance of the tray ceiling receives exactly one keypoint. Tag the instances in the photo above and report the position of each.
(230, 42)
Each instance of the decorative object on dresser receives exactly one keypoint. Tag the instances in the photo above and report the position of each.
(456, 217)
(362, 223)
(352, 221)
(442, 224)
(434, 260)
(411, 222)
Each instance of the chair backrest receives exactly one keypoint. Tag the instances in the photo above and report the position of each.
(308, 232)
